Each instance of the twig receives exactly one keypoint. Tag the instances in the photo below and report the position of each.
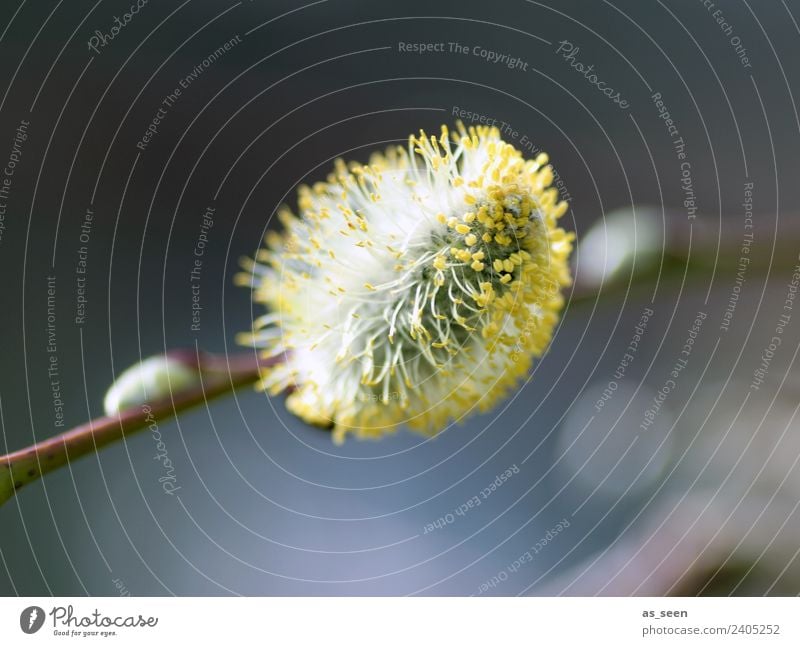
(219, 374)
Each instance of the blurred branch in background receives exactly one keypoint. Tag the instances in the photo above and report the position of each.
(728, 521)
(627, 245)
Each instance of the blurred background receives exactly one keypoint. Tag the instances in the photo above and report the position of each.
(636, 466)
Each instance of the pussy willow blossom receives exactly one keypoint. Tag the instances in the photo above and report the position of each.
(415, 288)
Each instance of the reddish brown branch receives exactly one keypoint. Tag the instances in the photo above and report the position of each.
(219, 374)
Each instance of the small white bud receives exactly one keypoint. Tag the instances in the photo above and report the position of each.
(150, 380)
(617, 242)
